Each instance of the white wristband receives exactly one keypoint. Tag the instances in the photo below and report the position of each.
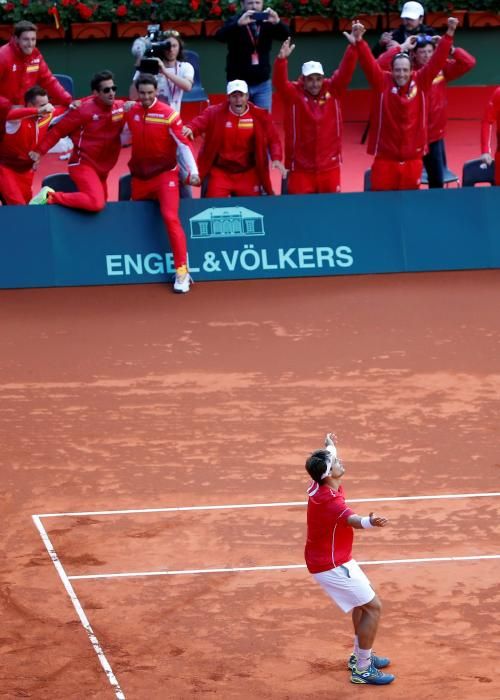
(366, 522)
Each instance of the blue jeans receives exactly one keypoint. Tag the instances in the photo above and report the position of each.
(262, 94)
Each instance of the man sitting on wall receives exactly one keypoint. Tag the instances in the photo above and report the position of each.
(155, 130)
(95, 128)
(238, 138)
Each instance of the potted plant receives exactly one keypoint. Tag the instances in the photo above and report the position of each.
(41, 12)
(368, 12)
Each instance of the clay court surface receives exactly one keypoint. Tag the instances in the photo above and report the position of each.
(131, 398)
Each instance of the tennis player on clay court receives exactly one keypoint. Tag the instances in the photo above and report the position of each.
(328, 555)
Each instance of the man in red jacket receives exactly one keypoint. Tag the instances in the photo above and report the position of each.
(328, 555)
(22, 66)
(459, 62)
(313, 121)
(156, 133)
(95, 128)
(25, 127)
(398, 122)
(238, 138)
(490, 119)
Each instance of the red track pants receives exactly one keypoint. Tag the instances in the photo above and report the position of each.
(224, 184)
(164, 188)
(92, 190)
(393, 175)
(302, 182)
(15, 188)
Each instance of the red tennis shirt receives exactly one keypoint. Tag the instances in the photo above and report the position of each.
(329, 537)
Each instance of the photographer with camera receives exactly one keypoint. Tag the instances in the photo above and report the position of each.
(161, 54)
(249, 37)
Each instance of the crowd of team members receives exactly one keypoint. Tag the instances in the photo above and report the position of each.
(407, 121)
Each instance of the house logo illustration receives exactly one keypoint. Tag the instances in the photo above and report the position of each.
(226, 222)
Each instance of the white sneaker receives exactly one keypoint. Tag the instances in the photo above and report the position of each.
(182, 280)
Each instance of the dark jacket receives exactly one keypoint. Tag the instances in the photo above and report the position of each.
(401, 34)
(241, 44)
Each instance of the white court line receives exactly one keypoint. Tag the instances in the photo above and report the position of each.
(180, 572)
(265, 505)
(119, 694)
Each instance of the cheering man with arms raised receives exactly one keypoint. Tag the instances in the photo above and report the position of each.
(328, 555)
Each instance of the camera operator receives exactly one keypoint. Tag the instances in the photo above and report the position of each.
(161, 54)
(249, 37)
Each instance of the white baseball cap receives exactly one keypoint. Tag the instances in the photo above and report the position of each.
(412, 10)
(237, 86)
(312, 67)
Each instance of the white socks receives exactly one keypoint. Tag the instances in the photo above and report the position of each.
(363, 659)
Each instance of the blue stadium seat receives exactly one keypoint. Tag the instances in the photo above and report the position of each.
(476, 172)
(197, 93)
(60, 182)
(449, 177)
(67, 82)
(124, 191)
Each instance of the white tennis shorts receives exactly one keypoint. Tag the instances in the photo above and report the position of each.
(347, 585)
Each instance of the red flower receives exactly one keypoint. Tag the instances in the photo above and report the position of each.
(121, 10)
(195, 5)
(325, 3)
(8, 7)
(303, 2)
(84, 11)
(232, 7)
(136, 3)
(216, 10)
(288, 7)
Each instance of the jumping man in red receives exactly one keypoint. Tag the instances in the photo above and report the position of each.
(25, 127)
(398, 122)
(238, 138)
(95, 128)
(490, 119)
(328, 555)
(156, 132)
(313, 121)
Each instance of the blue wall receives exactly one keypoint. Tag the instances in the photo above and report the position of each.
(289, 236)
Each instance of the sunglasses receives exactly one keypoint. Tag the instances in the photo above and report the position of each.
(110, 88)
(424, 39)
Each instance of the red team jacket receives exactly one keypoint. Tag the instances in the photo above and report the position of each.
(329, 537)
(313, 125)
(491, 120)
(95, 131)
(398, 117)
(211, 122)
(460, 63)
(19, 73)
(156, 133)
(4, 110)
(24, 130)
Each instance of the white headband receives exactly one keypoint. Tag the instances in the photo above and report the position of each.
(330, 460)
